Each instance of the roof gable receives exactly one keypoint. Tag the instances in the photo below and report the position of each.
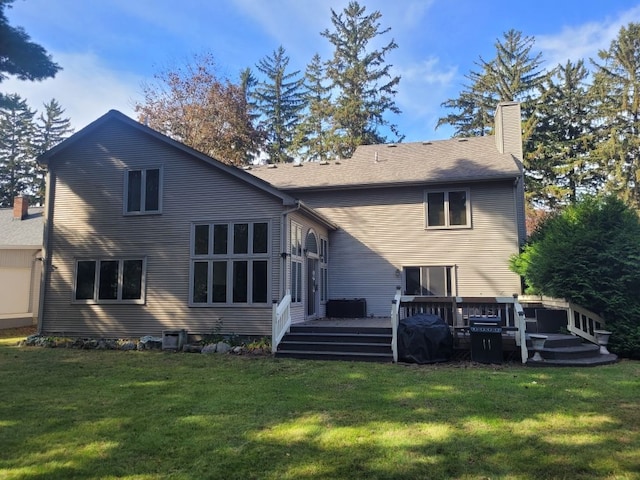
(116, 116)
(443, 161)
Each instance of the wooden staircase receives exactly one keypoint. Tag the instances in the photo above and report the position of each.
(562, 350)
(330, 342)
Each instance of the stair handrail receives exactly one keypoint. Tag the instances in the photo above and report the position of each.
(395, 320)
(280, 321)
(580, 321)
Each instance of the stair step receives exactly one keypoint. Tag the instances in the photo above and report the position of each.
(338, 337)
(340, 330)
(585, 350)
(576, 362)
(335, 355)
(362, 347)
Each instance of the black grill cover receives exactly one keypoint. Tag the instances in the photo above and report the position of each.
(424, 338)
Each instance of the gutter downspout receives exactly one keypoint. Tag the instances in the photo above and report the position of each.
(46, 259)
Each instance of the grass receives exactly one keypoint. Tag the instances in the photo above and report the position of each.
(147, 415)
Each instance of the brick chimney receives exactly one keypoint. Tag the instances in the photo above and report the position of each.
(20, 208)
(508, 129)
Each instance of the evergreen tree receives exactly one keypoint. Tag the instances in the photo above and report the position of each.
(16, 150)
(51, 128)
(616, 89)
(20, 56)
(279, 100)
(514, 74)
(363, 84)
(558, 163)
(315, 131)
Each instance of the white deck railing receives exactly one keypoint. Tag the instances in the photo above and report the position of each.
(456, 311)
(395, 320)
(280, 321)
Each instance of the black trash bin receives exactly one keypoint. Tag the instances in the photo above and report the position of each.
(486, 339)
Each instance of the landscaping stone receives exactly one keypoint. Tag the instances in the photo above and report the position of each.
(149, 342)
(188, 348)
(222, 347)
(209, 349)
(128, 346)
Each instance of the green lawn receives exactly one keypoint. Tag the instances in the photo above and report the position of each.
(145, 415)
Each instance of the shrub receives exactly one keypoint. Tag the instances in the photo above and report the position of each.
(590, 254)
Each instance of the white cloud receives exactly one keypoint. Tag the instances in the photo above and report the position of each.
(583, 41)
(85, 88)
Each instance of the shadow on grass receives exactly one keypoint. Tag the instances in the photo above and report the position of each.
(75, 414)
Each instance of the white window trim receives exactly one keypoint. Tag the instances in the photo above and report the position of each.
(297, 257)
(125, 195)
(446, 226)
(229, 258)
(453, 270)
(96, 284)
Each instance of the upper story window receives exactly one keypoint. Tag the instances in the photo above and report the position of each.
(448, 209)
(143, 191)
(110, 280)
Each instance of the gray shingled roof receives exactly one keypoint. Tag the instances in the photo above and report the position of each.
(442, 161)
(21, 233)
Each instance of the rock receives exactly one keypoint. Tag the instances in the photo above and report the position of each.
(128, 346)
(150, 342)
(188, 348)
(209, 349)
(222, 347)
(237, 350)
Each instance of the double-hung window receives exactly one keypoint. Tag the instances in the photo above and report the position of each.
(143, 191)
(429, 281)
(110, 280)
(229, 263)
(448, 209)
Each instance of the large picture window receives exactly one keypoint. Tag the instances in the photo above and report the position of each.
(110, 281)
(429, 281)
(448, 209)
(143, 191)
(229, 263)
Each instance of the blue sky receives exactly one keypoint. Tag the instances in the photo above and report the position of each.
(109, 48)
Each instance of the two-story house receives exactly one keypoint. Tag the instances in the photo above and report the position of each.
(145, 234)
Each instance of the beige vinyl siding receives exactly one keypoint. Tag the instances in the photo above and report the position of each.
(383, 230)
(19, 281)
(89, 223)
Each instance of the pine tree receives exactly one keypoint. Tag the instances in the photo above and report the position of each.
(616, 89)
(16, 150)
(20, 56)
(514, 74)
(364, 86)
(279, 99)
(51, 128)
(558, 165)
(315, 131)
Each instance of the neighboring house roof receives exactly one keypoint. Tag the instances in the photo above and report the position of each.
(442, 161)
(26, 233)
